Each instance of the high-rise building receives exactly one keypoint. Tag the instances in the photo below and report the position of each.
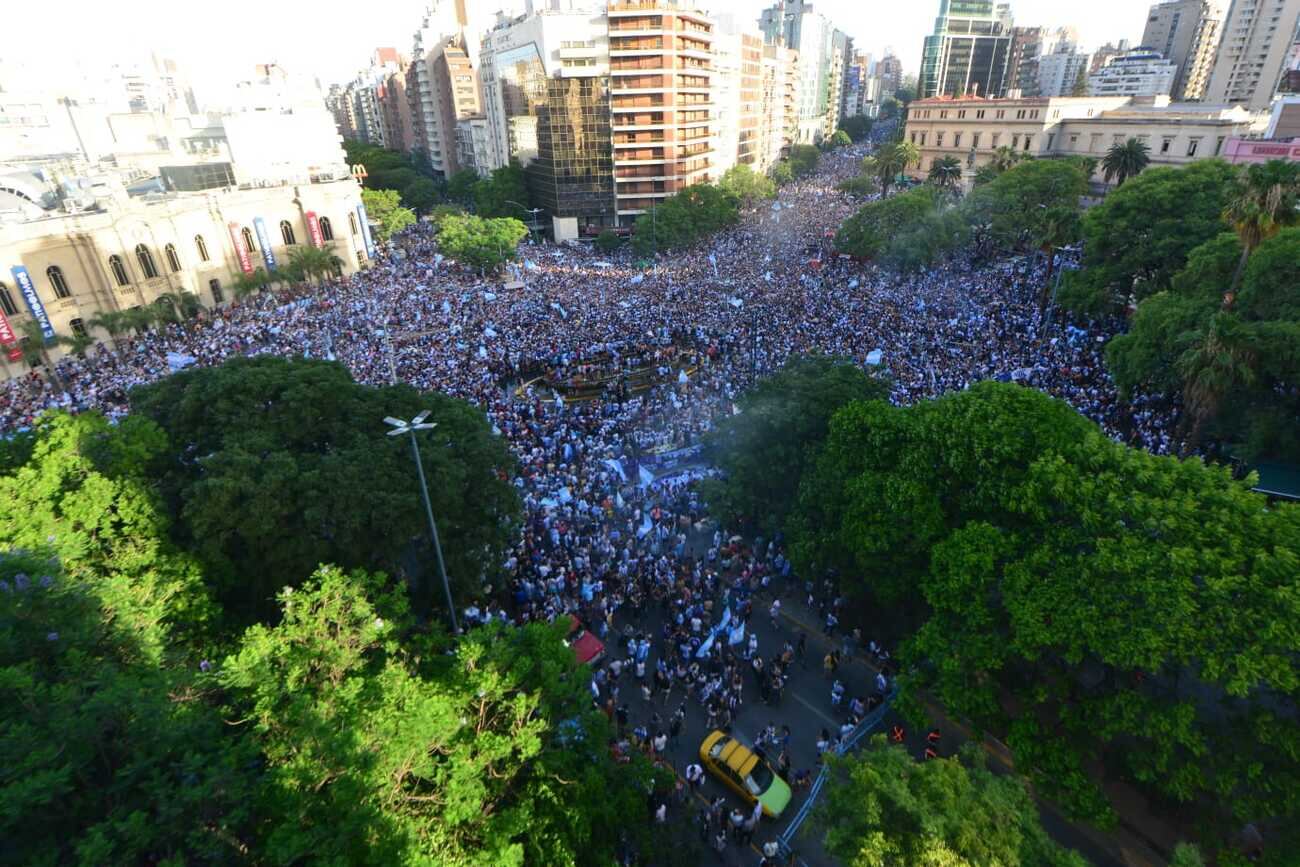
(1103, 55)
(779, 117)
(738, 56)
(445, 60)
(890, 72)
(1140, 72)
(968, 52)
(1187, 33)
(1257, 38)
(795, 24)
(662, 89)
(1022, 60)
(1063, 72)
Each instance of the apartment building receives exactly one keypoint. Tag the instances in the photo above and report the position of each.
(662, 91)
(1140, 72)
(1257, 38)
(968, 52)
(1187, 33)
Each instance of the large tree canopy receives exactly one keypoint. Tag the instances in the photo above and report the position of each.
(277, 465)
(694, 213)
(764, 451)
(1140, 236)
(881, 808)
(1095, 605)
(480, 242)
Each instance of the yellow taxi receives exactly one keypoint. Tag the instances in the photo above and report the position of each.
(745, 773)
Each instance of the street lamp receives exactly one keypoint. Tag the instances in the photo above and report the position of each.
(403, 427)
(532, 212)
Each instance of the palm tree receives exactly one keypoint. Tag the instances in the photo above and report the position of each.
(315, 261)
(1263, 203)
(140, 318)
(1127, 160)
(112, 321)
(1217, 363)
(889, 161)
(945, 173)
(36, 349)
(246, 284)
(1059, 227)
(1005, 157)
(178, 307)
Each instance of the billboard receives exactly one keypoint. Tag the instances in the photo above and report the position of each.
(28, 290)
(264, 241)
(237, 238)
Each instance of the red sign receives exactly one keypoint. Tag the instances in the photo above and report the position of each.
(8, 339)
(313, 229)
(237, 237)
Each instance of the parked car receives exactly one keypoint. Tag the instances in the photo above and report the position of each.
(745, 772)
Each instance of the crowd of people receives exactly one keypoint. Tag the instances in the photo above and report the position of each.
(608, 533)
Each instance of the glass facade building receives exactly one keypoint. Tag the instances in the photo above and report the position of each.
(572, 174)
(967, 53)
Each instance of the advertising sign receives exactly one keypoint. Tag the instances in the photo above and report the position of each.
(237, 238)
(313, 229)
(9, 340)
(28, 290)
(365, 231)
(264, 241)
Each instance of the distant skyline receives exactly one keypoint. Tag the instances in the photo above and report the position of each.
(331, 40)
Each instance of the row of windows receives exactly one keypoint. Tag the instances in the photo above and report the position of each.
(149, 267)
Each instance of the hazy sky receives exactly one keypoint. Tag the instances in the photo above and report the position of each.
(332, 39)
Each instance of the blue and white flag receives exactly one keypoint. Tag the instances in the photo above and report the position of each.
(705, 647)
(738, 634)
(726, 618)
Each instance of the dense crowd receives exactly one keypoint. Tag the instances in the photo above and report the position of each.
(608, 532)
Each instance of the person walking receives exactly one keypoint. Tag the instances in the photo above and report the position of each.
(694, 776)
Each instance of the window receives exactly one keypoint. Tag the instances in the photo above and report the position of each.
(248, 240)
(961, 114)
(1028, 139)
(956, 139)
(943, 115)
(1002, 113)
(1051, 140)
(147, 266)
(7, 301)
(214, 285)
(997, 139)
(286, 232)
(57, 283)
(352, 218)
(173, 260)
(1033, 114)
(1015, 140)
(979, 115)
(327, 230)
(975, 141)
(922, 139)
(1193, 145)
(1165, 144)
(78, 327)
(913, 137)
(938, 139)
(1218, 145)
(119, 270)
(202, 247)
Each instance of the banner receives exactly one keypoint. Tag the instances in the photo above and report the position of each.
(313, 229)
(264, 241)
(237, 238)
(9, 340)
(365, 231)
(28, 290)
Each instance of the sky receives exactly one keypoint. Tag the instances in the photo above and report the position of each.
(332, 39)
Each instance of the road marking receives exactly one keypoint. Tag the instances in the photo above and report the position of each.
(815, 709)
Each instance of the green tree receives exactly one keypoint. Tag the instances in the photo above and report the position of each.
(685, 218)
(421, 195)
(311, 263)
(1124, 161)
(111, 321)
(803, 160)
(1023, 203)
(857, 126)
(908, 231)
(248, 283)
(460, 186)
(502, 194)
(838, 140)
(782, 423)
(608, 241)
(945, 173)
(881, 808)
(481, 243)
(1264, 201)
(889, 161)
(381, 750)
(1099, 608)
(1059, 227)
(781, 173)
(1139, 237)
(747, 185)
(384, 208)
(179, 307)
(276, 465)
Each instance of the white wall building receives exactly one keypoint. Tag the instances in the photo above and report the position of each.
(1059, 73)
(1140, 72)
(1257, 37)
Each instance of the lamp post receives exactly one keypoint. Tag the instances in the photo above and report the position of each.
(532, 212)
(404, 427)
